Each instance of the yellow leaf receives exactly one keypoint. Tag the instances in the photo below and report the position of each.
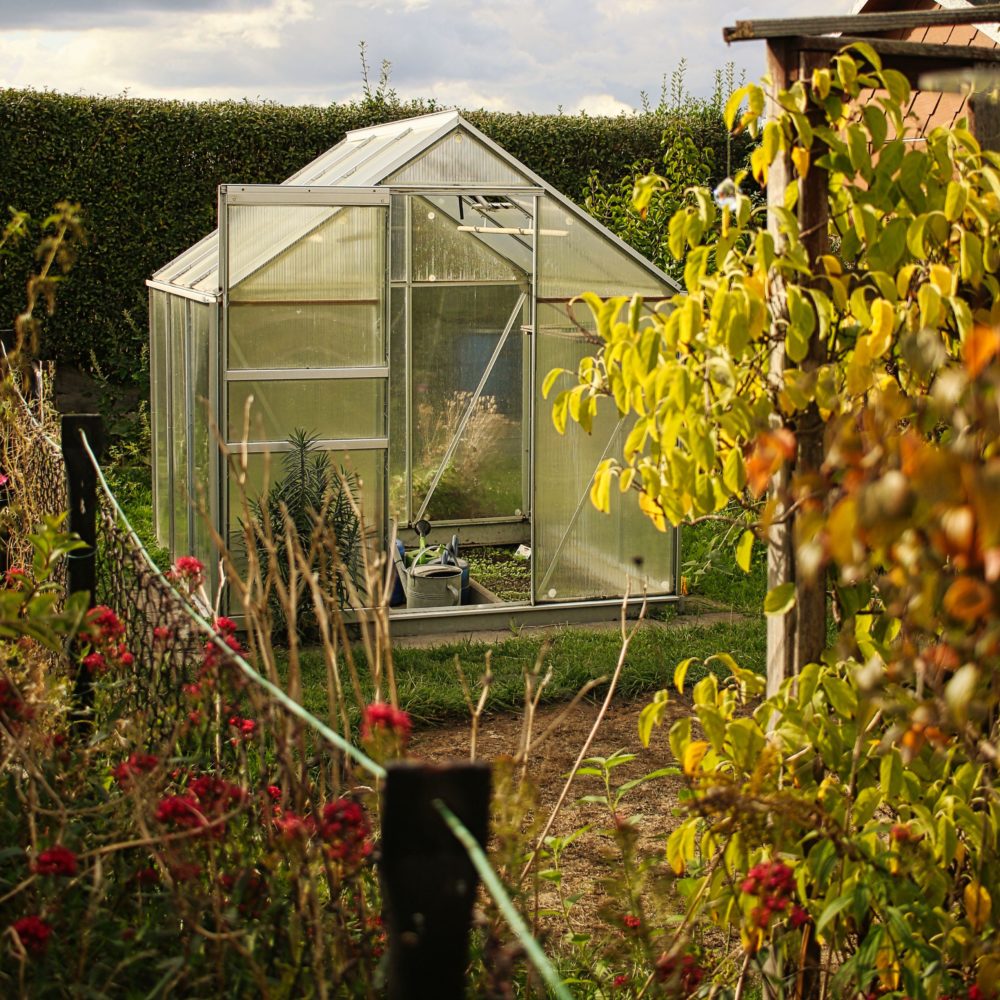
(888, 967)
(883, 321)
(800, 157)
(652, 510)
(942, 278)
(694, 753)
(977, 904)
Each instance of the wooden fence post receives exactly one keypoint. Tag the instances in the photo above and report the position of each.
(428, 880)
(81, 496)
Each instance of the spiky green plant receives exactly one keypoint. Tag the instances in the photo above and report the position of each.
(321, 504)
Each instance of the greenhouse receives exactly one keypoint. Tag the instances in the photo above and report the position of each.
(401, 299)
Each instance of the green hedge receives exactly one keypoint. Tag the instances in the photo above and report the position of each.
(146, 173)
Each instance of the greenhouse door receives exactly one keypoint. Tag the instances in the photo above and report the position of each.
(303, 272)
(469, 303)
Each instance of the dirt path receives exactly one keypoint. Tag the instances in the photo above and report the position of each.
(592, 859)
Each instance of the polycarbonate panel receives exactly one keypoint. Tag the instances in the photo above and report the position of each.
(266, 469)
(440, 252)
(398, 411)
(202, 443)
(397, 242)
(573, 257)
(301, 253)
(328, 408)
(181, 540)
(159, 405)
(454, 333)
(580, 553)
(305, 335)
(459, 159)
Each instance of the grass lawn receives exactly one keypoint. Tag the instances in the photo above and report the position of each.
(430, 691)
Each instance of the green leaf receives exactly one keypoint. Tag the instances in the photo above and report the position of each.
(832, 909)
(744, 549)
(780, 600)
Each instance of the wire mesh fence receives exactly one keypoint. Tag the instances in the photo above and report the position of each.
(184, 691)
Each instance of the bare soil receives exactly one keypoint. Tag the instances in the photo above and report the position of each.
(652, 807)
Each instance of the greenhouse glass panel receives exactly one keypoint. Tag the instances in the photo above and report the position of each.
(459, 159)
(580, 552)
(309, 254)
(203, 444)
(159, 392)
(328, 409)
(399, 423)
(442, 252)
(467, 449)
(574, 257)
(181, 541)
(305, 335)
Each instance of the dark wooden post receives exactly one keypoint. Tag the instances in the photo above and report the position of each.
(780, 557)
(797, 638)
(984, 111)
(81, 495)
(428, 880)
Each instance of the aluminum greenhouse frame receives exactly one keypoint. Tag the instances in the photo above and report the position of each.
(402, 297)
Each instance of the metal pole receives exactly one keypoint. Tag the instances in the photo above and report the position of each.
(428, 879)
(81, 493)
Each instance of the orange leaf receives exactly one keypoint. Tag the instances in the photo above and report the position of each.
(980, 347)
(968, 599)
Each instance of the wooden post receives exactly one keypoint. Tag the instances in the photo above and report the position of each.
(798, 637)
(428, 880)
(780, 557)
(81, 494)
(984, 111)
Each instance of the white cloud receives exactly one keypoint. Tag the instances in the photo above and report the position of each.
(603, 104)
(524, 55)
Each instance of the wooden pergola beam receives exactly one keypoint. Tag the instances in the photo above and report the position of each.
(859, 24)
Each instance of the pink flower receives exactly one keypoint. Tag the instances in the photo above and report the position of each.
(33, 933)
(56, 860)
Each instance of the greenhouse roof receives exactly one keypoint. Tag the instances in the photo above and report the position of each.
(407, 154)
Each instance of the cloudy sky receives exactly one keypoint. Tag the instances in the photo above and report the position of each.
(509, 55)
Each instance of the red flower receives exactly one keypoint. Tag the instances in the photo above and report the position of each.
(632, 922)
(274, 791)
(13, 709)
(180, 810)
(137, 763)
(33, 933)
(293, 827)
(188, 572)
(344, 828)
(382, 716)
(147, 876)
(56, 860)
(161, 633)
(95, 663)
(680, 971)
(621, 980)
(799, 916)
